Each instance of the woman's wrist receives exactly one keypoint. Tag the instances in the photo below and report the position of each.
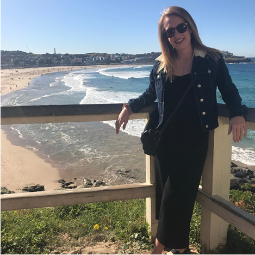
(127, 106)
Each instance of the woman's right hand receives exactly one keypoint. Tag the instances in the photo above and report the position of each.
(123, 118)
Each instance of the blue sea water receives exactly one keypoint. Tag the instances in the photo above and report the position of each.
(92, 149)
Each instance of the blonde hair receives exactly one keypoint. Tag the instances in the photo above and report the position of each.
(168, 52)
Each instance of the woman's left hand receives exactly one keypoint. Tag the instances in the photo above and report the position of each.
(238, 126)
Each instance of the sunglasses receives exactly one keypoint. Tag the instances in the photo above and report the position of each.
(181, 28)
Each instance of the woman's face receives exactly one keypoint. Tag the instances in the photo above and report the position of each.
(180, 40)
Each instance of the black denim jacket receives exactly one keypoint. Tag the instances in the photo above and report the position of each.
(206, 75)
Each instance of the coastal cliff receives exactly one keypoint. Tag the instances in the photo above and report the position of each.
(238, 60)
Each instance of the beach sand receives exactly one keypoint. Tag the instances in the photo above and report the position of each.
(21, 167)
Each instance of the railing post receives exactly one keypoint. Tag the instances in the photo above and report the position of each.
(216, 180)
(151, 201)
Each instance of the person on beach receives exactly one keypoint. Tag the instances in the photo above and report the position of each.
(183, 148)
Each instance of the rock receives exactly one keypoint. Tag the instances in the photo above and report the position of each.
(98, 184)
(61, 181)
(33, 188)
(87, 181)
(125, 173)
(69, 183)
(4, 190)
(239, 174)
(238, 169)
(66, 184)
(250, 174)
(234, 185)
(233, 164)
(72, 186)
(87, 186)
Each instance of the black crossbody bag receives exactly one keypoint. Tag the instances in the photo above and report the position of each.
(151, 135)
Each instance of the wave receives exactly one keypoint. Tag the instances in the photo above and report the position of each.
(56, 82)
(16, 100)
(75, 82)
(68, 92)
(18, 131)
(137, 67)
(134, 127)
(96, 96)
(246, 156)
(125, 74)
(71, 80)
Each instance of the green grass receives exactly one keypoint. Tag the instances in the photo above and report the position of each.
(42, 230)
(60, 228)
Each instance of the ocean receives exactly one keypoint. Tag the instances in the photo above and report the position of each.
(92, 149)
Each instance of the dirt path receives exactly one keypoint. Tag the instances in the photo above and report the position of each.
(109, 247)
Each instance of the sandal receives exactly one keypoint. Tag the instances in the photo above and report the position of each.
(175, 251)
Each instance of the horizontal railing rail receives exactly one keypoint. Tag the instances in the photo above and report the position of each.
(80, 113)
(90, 109)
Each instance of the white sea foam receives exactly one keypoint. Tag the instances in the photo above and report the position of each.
(65, 137)
(71, 80)
(16, 100)
(15, 129)
(135, 67)
(246, 156)
(75, 82)
(31, 147)
(56, 82)
(68, 92)
(120, 73)
(134, 127)
(95, 96)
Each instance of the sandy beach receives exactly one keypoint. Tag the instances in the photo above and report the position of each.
(19, 166)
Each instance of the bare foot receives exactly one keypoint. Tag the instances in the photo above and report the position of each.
(158, 247)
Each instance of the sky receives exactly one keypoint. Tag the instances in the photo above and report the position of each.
(120, 26)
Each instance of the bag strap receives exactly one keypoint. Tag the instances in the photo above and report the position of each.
(174, 111)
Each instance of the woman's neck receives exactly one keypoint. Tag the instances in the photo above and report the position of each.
(185, 53)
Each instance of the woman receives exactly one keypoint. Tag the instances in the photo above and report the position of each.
(182, 152)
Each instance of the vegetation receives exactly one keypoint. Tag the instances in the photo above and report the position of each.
(42, 230)
(60, 228)
(237, 242)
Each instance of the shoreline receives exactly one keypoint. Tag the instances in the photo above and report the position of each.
(20, 166)
(16, 79)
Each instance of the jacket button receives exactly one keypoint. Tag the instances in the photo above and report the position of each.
(199, 85)
(157, 76)
(203, 113)
(209, 71)
(201, 100)
(207, 126)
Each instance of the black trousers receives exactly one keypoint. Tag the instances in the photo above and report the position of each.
(179, 165)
